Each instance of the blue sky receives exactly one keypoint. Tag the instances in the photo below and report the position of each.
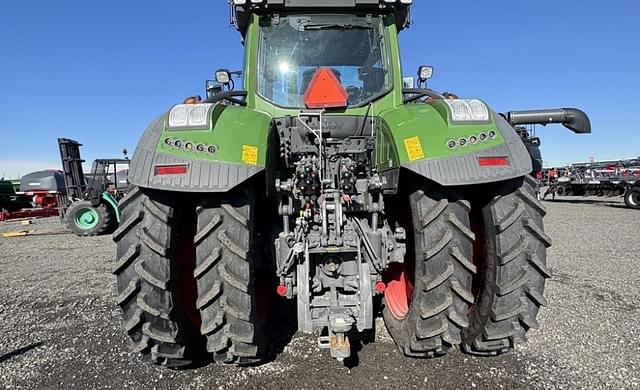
(99, 72)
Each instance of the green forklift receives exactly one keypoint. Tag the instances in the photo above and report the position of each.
(91, 205)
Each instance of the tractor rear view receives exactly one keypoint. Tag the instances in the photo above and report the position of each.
(325, 181)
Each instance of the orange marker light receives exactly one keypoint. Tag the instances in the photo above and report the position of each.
(325, 91)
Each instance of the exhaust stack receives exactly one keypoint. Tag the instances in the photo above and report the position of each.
(571, 118)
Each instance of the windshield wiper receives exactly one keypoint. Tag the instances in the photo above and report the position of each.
(335, 26)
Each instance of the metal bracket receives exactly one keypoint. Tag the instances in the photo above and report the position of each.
(305, 322)
(365, 320)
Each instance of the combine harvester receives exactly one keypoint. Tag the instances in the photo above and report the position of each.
(326, 181)
(599, 178)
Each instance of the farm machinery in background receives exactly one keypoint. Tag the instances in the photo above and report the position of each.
(87, 204)
(598, 178)
(11, 201)
(90, 207)
(35, 195)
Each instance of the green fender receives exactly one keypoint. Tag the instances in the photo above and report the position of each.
(110, 201)
(419, 137)
(219, 155)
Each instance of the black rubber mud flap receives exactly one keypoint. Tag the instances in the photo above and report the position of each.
(440, 269)
(228, 299)
(148, 263)
(512, 269)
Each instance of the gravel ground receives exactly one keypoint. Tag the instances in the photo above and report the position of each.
(60, 328)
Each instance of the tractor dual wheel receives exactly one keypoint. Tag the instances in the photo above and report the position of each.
(427, 298)
(155, 287)
(86, 220)
(234, 292)
(510, 254)
(632, 197)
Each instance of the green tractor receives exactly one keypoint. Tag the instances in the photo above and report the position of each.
(328, 180)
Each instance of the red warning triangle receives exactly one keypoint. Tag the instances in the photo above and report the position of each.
(325, 91)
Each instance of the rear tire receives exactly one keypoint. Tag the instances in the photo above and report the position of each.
(632, 198)
(442, 277)
(155, 315)
(512, 270)
(86, 220)
(227, 279)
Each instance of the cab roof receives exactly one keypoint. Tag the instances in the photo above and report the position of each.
(241, 10)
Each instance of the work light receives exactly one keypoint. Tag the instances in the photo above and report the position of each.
(425, 73)
(223, 76)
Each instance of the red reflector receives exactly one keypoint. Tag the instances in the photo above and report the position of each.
(282, 290)
(380, 287)
(325, 91)
(171, 169)
(493, 161)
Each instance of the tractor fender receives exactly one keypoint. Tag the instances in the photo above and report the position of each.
(466, 169)
(111, 202)
(203, 175)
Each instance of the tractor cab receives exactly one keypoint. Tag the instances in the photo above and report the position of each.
(321, 54)
(296, 48)
(108, 175)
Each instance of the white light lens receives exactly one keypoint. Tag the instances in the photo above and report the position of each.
(239, 2)
(426, 72)
(178, 116)
(198, 114)
(223, 77)
(460, 111)
(189, 115)
(406, 1)
(479, 110)
(468, 110)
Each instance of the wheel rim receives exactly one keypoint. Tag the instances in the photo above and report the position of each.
(86, 218)
(399, 291)
(634, 198)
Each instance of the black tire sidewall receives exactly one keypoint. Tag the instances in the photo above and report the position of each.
(631, 198)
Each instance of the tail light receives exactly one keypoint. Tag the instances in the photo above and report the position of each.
(171, 169)
(493, 161)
